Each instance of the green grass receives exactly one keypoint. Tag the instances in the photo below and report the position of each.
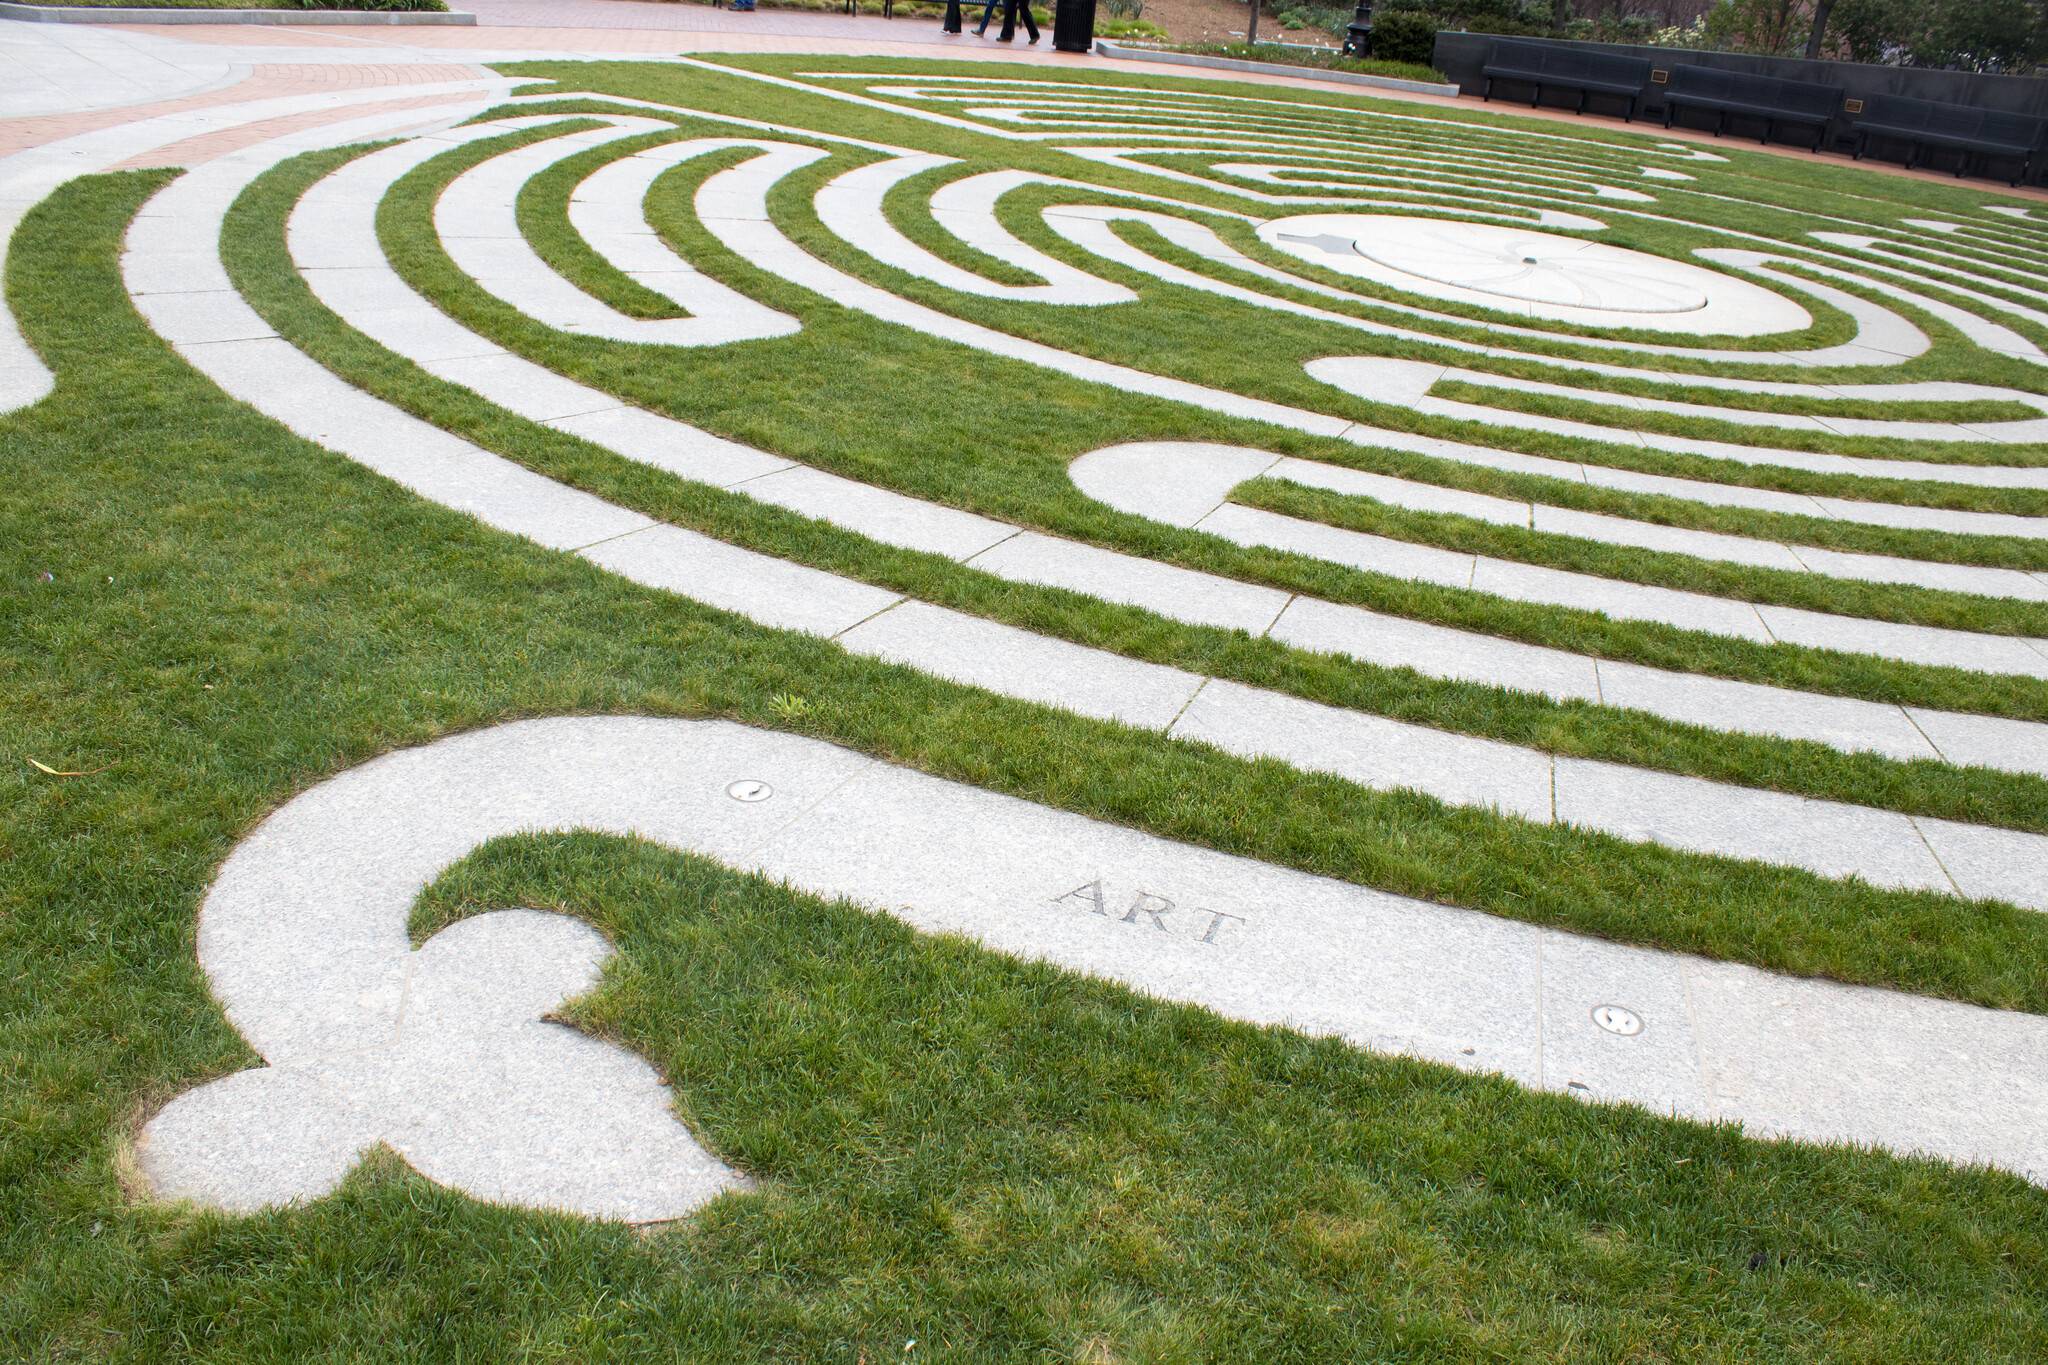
(1313, 58)
(1705, 428)
(1108, 26)
(1196, 334)
(995, 1160)
(1782, 587)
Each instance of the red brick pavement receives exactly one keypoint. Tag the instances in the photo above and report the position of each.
(269, 82)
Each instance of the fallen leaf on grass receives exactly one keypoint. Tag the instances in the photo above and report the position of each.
(86, 772)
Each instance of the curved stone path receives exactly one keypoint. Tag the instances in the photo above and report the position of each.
(439, 1051)
(28, 176)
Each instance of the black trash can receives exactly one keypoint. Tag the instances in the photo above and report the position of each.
(1073, 25)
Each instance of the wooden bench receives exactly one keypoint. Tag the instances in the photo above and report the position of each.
(1567, 68)
(1732, 94)
(1977, 134)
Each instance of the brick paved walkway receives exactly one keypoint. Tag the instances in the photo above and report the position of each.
(273, 81)
(910, 26)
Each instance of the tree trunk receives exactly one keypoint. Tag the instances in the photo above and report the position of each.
(1820, 28)
(1252, 29)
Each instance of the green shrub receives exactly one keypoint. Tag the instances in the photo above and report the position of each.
(1305, 14)
(1517, 17)
(1404, 35)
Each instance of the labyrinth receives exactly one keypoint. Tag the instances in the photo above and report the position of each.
(1032, 711)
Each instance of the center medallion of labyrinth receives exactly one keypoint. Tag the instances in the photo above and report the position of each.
(1539, 274)
(1212, 544)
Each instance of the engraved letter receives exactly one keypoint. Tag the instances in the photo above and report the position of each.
(1216, 918)
(1145, 905)
(1092, 893)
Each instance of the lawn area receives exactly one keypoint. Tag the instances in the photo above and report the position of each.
(1737, 525)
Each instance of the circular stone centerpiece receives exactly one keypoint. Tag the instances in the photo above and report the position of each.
(1534, 274)
(1534, 267)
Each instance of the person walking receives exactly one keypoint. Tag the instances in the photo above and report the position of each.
(952, 18)
(1011, 9)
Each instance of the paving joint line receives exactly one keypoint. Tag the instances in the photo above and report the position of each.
(990, 548)
(1907, 712)
(1928, 844)
(652, 524)
(1168, 728)
(842, 633)
(1267, 632)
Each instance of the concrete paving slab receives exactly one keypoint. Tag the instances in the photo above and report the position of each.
(681, 450)
(1437, 651)
(1826, 837)
(1369, 750)
(1994, 864)
(878, 513)
(1989, 741)
(771, 591)
(1681, 540)
(1016, 663)
(1634, 1043)
(1911, 643)
(520, 386)
(1179, 594)
(1253, 527)
(1523, 272)
(1620, 600)
(1724, 704)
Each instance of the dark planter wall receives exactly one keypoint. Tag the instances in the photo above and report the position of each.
(1460, 56)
